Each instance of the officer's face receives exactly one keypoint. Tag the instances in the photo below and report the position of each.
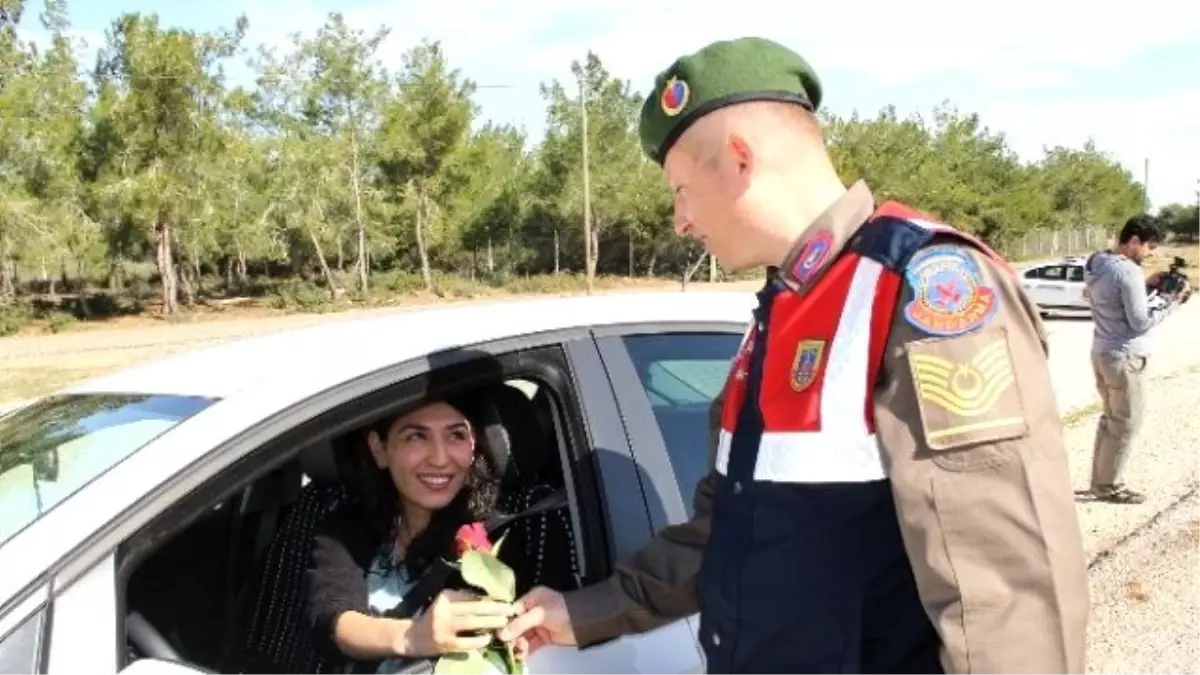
(708, 187)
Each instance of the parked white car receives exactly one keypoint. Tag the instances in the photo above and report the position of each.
(1057, 286)
(168, 503)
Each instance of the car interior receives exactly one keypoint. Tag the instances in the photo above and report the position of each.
(225, 592)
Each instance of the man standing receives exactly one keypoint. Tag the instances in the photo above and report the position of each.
(1122, 317)
(888, 487)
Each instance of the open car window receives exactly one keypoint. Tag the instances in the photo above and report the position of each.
(53, 447)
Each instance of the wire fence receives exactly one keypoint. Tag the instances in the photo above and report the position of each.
(1055, 243)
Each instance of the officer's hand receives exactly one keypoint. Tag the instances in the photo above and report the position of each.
(1153, 280)
(541, 620)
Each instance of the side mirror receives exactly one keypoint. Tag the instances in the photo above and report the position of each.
(161, 667)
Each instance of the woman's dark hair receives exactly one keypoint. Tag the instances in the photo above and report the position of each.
(474, 502)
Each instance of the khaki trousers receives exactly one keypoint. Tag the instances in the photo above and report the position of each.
(1121, 383)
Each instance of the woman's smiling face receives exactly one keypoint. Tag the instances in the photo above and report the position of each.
(428, 453)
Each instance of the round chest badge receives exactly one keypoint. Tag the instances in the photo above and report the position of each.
(674, 96)
(949, 293)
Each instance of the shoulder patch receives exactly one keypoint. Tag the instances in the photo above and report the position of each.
(966, 389)
(949, 294)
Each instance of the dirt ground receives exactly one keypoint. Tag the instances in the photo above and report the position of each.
(34, 365)
(37, 364)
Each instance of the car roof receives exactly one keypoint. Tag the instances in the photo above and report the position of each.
(313, 358)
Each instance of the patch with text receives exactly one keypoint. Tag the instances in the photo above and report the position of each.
(949, 293)
(966, 389)
(807, 363)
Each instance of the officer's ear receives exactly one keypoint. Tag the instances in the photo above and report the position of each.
(741, 155)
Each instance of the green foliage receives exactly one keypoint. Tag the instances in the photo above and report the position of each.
(332, 173)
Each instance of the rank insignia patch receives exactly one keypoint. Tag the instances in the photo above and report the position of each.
(807, 363)
(966, 389)
(949, 294)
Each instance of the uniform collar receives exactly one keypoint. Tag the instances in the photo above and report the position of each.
(825, 237)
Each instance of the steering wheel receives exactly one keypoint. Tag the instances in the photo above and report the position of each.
(148, 639)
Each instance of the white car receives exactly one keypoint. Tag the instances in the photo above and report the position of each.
(1057, 286)
(157, 519)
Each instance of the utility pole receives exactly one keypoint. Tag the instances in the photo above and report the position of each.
(1146, 183)
(587, 189)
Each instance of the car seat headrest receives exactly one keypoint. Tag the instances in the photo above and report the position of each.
(514, 433)
(317, 461)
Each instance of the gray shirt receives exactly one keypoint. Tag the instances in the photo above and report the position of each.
(1122, 314)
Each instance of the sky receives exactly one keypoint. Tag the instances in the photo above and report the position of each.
(1045, 72)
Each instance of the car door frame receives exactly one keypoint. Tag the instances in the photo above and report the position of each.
(647, 444)
(596, 406)
(1073, 293)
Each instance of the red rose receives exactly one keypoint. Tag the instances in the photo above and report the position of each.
(473, 536)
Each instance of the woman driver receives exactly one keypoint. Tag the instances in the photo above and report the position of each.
(433, 476)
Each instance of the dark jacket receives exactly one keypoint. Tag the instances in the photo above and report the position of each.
(343, 549)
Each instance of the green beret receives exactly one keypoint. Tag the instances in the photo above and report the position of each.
(721, 74)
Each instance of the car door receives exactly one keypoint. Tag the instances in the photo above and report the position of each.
(665, 379)
(1073, 289)
(91, 596)
(1045, 285)
(671, 648)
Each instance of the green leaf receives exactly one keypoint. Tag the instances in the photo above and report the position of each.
(462, 663)
(486, 572)
(497, 660)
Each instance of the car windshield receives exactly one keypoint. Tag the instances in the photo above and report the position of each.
(53, 447)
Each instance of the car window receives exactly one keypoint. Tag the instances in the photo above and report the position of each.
(682, 373)
(1074, 273)
(1057, 272)
(19, 649)
(53, 447)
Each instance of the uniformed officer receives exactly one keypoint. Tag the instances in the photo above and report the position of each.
(889, 488)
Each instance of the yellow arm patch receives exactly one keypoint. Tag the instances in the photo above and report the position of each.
(966, 389)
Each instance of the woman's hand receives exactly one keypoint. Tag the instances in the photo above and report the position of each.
(455, 622)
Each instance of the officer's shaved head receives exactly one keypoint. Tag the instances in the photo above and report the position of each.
(774, 131)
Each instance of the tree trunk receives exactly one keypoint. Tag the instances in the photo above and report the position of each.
(594, 258)
(358, 218)
(491, 258)
(334, 291)
(166, 267)
(116, 274)
(187, 279)
(422, 213)
(631, 255)
(242, 271)
(556, 268)
(8, 287)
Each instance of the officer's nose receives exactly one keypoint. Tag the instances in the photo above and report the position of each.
(683, 225)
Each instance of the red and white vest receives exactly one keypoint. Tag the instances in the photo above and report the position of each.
(825, 346)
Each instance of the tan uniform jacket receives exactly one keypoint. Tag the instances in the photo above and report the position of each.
(972, 440)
